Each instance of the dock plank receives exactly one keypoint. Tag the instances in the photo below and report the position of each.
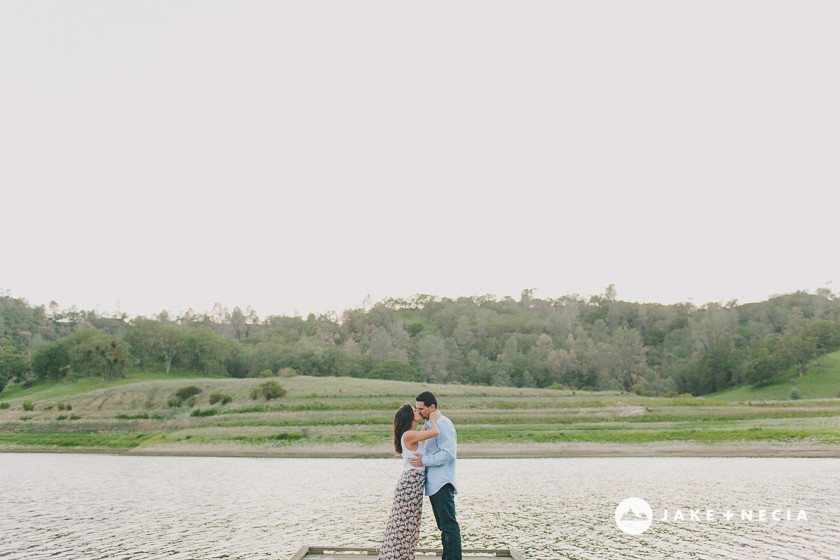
(367, 553)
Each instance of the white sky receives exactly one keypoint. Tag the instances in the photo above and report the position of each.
(298, 156)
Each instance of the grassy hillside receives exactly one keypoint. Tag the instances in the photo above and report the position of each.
(821, 381)
(63, 389)
(355, 415)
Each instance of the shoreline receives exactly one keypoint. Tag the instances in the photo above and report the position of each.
(465, 451)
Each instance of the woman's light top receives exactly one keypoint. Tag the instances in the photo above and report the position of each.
(408, 454)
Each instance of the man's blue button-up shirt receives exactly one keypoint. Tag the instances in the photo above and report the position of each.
(439, 458)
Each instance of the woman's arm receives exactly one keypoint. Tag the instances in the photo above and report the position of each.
(420, 435)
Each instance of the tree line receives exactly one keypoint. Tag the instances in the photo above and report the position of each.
(597, 342)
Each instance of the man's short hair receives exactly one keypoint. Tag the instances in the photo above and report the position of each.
(427, 398)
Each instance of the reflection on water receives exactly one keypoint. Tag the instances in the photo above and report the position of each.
(94, 506)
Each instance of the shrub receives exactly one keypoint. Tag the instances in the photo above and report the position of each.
(186, 392)
(4, 405)
(270, 390)
(75, 417)
(27, 405)
(266, 373)
(61, 417)
(207, 412)
(246, 409)
(140, 416)
(217, 397)
(794, 394)
(184, 395)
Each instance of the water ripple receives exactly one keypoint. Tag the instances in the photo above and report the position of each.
(95, 506)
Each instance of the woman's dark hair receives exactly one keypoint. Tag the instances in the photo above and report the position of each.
(427, 398)
(402, 423)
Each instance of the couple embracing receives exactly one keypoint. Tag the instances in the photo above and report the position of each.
(428, 462)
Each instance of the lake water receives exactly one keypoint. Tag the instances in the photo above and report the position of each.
(100, 506)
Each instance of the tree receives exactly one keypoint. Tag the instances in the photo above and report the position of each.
(238, 322)
(237, 360)
(433, 359)
(463, 332)
(269, 390)
(564, 367)
(380, 345)
(272, 355)
(413, 329)
(52, 360)
(205, 351)
(12, 365)
(359, 365)
(351, 347)
(395, 370)
(95, 353)
(399, 341)
(631, 356)
(500, 374)
(826, 334)
(155, 344)
(797, 350)
(173, 345)
(145, 337)
(717, 369)
(713, 325)
(764, 366)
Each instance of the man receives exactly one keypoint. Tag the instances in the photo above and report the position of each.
(439, 460)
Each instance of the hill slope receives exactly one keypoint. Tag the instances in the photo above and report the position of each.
(342, 416)
(822, 381)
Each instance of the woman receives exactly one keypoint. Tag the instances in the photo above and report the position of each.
(403, 527)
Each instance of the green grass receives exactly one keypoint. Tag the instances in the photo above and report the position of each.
(821, 381)
(128, 440)
(75, 439)
(69, 388)
(629, 435)
(133, 413)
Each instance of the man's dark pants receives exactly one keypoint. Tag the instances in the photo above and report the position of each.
(443, 505)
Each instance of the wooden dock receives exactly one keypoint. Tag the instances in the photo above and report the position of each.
(348, 552)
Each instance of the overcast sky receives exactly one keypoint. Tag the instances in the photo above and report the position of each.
(299, 156)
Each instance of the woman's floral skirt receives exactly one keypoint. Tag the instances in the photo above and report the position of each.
(403, 527)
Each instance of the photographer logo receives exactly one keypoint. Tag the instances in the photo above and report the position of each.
(633, 516)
